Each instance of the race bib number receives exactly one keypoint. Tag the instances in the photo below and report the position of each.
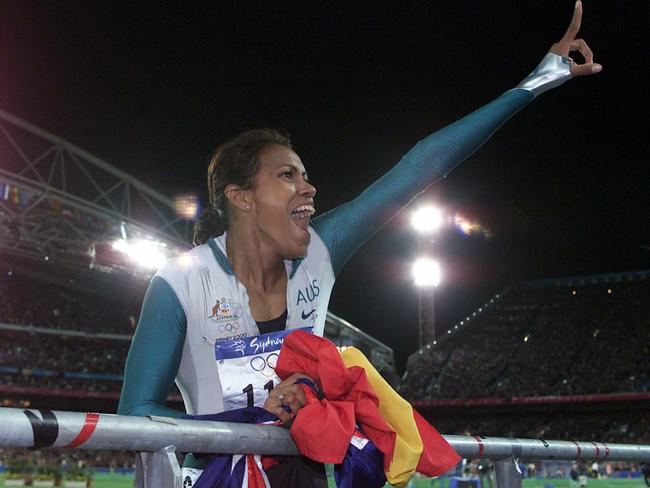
(247, 368)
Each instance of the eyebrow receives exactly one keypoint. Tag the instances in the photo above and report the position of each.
(295, 167)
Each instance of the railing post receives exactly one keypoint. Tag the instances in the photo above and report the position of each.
(508, 473)
(157, 469)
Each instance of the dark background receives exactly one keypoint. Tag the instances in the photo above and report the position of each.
(563, 187)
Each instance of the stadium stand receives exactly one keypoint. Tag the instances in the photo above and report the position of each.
(30, 300)
(555, 359)
(542, 360)
(555, 337)
(630, 426)
(63, 344)
(63, 353)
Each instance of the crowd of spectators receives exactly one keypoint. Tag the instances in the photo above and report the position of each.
(534, 341)
(28, 301)
(41, 360)
(628, 427)
(543, 340)
(65, 457)
(26, 378)
(62, 362)
(62, 352)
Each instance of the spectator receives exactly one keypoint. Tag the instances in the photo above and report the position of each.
(541, 340)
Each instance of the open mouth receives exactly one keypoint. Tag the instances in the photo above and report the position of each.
(300, 215)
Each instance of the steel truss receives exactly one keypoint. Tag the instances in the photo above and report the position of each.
(58, 201)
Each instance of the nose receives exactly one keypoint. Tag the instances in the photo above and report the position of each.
(307, 189)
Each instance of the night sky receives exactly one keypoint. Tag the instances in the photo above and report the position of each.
(563, 187)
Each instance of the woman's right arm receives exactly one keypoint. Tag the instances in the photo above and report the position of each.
(155, 354)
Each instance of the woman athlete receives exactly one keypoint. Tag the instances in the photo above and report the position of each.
(262, 264)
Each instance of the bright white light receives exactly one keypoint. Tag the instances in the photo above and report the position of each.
(120, 245)
(427, 219)
(145, 253)
(426, 272)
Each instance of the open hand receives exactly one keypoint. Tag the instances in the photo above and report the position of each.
(569, 43)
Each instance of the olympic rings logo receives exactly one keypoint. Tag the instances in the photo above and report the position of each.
(265, 365)
(229, 327)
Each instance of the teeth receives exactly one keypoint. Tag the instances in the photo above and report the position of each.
(304, 209)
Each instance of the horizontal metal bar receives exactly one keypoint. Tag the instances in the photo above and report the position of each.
(45, 428)
(503, 447)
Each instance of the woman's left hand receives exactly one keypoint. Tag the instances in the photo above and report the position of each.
(287, 394)
(569, 43)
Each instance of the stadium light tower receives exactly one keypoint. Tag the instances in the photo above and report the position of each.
(426, 274)
(426, 220)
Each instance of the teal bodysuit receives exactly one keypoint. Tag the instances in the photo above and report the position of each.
(157, 348)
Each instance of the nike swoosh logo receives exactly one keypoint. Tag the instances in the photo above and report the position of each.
(306, 316)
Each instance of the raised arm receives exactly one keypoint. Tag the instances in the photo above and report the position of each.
(346, 227)
(155, 354)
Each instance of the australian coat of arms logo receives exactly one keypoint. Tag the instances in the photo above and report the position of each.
(225, 309)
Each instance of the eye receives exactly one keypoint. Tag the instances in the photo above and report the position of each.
(288, 174)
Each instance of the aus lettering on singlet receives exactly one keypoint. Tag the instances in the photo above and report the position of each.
(247, 368)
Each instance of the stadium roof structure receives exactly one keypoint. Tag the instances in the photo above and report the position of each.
(61, 204)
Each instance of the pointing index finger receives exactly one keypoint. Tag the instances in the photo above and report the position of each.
(574, 26)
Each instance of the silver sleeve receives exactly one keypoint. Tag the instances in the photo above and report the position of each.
(551, 72)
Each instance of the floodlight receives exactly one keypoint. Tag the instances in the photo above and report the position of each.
(427, 219)
(144, 253)
(120, 245)
(426, 272)
(147, 253)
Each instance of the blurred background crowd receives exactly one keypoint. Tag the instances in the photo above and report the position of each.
(535, 341)
(542, 340)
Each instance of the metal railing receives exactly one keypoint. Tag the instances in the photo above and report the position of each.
(157, 438)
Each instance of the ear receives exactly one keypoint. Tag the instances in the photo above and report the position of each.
(239, 197)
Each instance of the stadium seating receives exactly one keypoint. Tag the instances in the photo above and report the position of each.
(29, 301)
(543, 339)
(538, 339)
